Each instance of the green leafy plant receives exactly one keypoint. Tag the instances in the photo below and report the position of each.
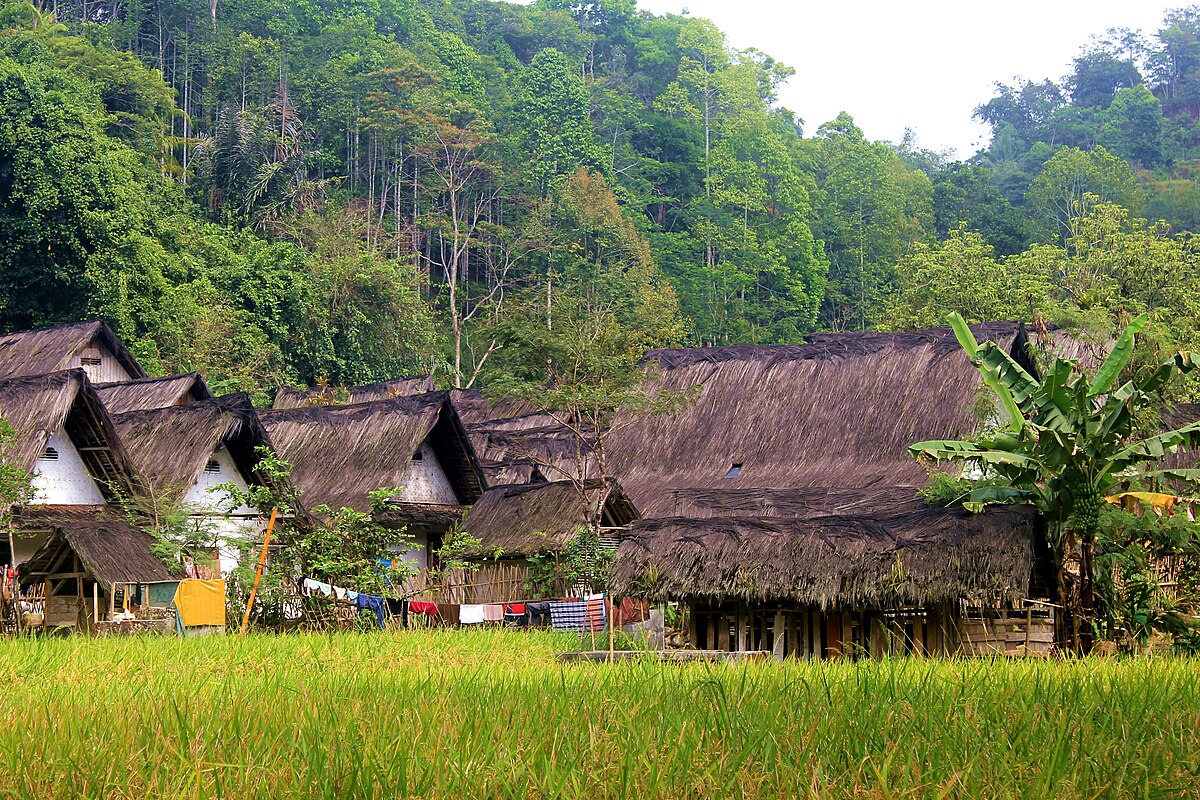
(1068, 438)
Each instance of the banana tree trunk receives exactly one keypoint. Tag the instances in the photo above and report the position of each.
(1087, 593)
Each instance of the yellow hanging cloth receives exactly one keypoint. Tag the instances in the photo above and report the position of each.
(201, 602)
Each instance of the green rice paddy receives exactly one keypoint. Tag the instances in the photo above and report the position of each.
(452, 714)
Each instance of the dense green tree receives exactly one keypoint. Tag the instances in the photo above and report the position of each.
(70, 194)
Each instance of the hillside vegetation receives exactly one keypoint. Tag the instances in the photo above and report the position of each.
(350, 190)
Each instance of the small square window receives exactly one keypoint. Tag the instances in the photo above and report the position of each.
(50, 455)
(90, 361)
(418, 455)
(734, 471)
(212, 467)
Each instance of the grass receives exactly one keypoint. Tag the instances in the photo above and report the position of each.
(450, 714)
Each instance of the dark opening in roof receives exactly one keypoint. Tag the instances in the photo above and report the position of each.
(734, 470)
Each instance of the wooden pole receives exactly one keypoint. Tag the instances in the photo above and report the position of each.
(612, 629)
(258, 571)
(95, 602)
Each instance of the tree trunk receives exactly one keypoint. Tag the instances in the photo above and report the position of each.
(1087, 593)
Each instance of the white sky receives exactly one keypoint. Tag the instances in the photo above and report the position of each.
(923, 64)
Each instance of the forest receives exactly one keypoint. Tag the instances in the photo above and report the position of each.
(343, 191)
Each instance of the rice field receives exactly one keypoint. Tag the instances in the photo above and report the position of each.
(451, 714)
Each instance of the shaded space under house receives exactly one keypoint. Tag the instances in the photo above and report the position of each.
(793, 461)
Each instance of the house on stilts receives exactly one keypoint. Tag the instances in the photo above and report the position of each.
(782, 504)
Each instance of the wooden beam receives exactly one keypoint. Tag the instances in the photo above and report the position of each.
(779, 645)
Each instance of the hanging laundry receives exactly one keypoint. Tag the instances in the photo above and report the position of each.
(493, 612)
(352, 595)
(539, 612)
(514, 608)
(312, 587)
(449, 612)
(201, 603)
(470, 614)
(568, 615)
(339, 593)
(423, 607)
(366, 602)
(595, 614)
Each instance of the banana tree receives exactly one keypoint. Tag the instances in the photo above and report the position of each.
(1065, 441)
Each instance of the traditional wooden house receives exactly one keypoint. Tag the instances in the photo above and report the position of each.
(142, 394)
(181, 452)
(341, 454)
(785, 495)
(287, 397)
(72, 535)
(90, 346)
(520, 520)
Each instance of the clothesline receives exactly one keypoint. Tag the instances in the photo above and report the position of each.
(587, 614)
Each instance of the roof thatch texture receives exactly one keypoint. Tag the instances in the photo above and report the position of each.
(340, 454)
(112, 549)
(288, 397)
(144, 394)
(839, 412)
(40, 406)
(24, 353)
(523, 520)
(923, 557)
(517, 443)
(169, 447)
(1176, 417)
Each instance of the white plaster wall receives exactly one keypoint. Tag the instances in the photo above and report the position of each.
(200, 500)
(65, 481)
(228, 532)
(425, 481)
(23, 547)
(418, 554)
(109, 370)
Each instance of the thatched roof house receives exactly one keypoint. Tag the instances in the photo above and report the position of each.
(91, 346)
(921, 557)
(84, 553)
(111, 549)
(524, 520)
(287, 397)
(176, 449)
(837, 413)
(142, 394)
(341, 454)
(64, 435)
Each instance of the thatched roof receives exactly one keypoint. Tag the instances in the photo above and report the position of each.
(112, 549)
(40, 406)
(516, 442)
(288, 397)
(1176, 417)
(340, 454)
(36, 352)
(169, 447)
(922, 557)
(143, 394)
(836, 413)
(523, 520)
